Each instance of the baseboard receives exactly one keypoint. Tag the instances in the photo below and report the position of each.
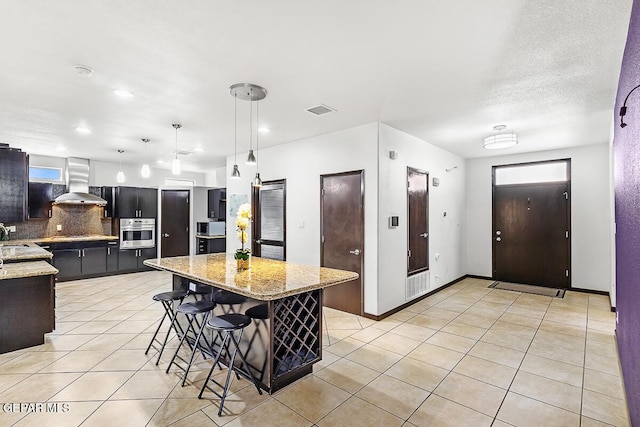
(413, 301)
(475, 276)
(589, 291)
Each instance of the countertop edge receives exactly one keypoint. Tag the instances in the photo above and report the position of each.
(33, 269)
(260, 297)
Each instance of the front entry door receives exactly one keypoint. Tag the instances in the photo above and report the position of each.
(175, 223)
(531, 234)
(342, 237)
(418, 219)
(269, 220)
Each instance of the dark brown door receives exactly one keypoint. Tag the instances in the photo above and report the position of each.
(269, 220)
(418, 219)
(175, 223)
(531, 234)
(342, 236)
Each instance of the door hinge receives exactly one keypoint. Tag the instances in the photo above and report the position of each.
(322, 239)
(409, 253)
(566, 195)
(408, 184)
(322, 192)
(566, 273)
(566, 234)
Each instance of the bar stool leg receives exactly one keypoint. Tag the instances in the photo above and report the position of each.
(196, 345)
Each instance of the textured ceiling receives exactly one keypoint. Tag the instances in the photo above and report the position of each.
(446, 72)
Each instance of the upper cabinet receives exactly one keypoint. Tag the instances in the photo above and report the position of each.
(14, 179)
(134, 202)
(217, 204)
(107, 194)
(40, 198)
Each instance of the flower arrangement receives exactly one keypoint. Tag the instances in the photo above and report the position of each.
(242, 222)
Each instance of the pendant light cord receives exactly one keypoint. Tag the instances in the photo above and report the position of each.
(257, 131)
(235, 129)
(251, 119)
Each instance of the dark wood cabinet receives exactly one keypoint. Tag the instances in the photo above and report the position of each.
(134, 202)
(112, 257)
(68, 262)
(94, 261)
(107, 194)
(132, 259)
(40, 198)
(14, 179)
(217, 204)
(211, 246)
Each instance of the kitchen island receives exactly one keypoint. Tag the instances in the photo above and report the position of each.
(27, 296)
(285, 346)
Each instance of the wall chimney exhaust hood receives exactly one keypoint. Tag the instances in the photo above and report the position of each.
(78, 185)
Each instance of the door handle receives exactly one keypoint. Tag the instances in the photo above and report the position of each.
(355, 252)
(498, 239)
(425, 235)
(498, 232)
(165, 235)
(258, 241)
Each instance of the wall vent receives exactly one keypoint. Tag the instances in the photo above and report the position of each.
(320, 110)
(416, 285)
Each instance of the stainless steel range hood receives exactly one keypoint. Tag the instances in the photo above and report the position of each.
(78, 185)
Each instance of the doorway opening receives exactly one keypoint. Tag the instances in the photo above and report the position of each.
(532, 223)
(269, 228)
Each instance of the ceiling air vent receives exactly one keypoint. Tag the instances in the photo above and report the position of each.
(320, 110)
(183, 153)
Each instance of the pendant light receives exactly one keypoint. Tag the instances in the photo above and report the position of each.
(175, 165)
(251, 158)
(145, 171)
(246, 92)
(120, 175)
(257, 182)
(236, 173)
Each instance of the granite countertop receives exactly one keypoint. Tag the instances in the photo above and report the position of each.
(265, 280)
(11, 251)
(55, 239)
(206, 236)
(19, 270)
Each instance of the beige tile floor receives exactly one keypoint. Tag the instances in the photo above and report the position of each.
(466, 356)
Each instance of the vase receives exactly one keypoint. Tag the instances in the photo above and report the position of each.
(242, 264)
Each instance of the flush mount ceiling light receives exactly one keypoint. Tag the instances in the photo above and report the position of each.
(82, 129)
(145, 171)
(123, 93)
(120, 175)
(248, 92)
(264, 130)
(175, 165)
(500, 140)
(83, 70)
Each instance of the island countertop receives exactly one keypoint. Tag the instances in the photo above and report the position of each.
(11, 251)
(265, 280)
(20, 270)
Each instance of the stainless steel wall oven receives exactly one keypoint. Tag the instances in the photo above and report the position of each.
(137, 233)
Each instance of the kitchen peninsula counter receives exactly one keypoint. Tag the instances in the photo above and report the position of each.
(283, 347)
(12, 251)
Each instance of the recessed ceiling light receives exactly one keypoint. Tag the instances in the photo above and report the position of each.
(61, 148)
(83, 70)
(264, 130)
(123, 93)
(160, 162)
(198, 150)
(82, 129)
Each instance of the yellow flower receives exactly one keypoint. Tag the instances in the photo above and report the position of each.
(242, 223)
(244, 211)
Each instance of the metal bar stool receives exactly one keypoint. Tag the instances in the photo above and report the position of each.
(228, 324)
(226, 300)
(258, 312)
(191, 310)
(167, 299)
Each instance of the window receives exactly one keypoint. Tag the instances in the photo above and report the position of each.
(554, 171)
(45, 174)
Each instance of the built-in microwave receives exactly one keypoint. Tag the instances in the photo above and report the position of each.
(211, 228)
(137, 233)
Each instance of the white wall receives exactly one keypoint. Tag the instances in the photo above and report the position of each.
(590, 213)
(301, 163)
(446, 244)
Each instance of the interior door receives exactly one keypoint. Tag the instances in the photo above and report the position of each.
(342, 237)
(175, 223)
(269, 220)
(531, 234)
(418, 220)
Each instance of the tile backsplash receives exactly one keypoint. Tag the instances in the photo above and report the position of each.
(76, 220)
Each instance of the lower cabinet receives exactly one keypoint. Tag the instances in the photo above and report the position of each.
(211, 246)
(132, 259)
(112, 257)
